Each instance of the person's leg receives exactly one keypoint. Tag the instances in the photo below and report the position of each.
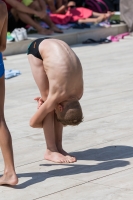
(9, 176)
(106, 15)
(48, 21)
(95, 18)
(58, 128)
(28, 20)
(35, 5)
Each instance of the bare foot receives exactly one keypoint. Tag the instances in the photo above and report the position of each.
(56, 29)
(108, 15)
(7, 179)
(111, 13)
(57, 157)
(72, 158)
(45, 31)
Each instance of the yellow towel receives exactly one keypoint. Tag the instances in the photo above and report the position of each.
(27, 2)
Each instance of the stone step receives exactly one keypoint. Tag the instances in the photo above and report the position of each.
(70, 36)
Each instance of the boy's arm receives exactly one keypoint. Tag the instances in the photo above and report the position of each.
(61, 10)
(47, 107)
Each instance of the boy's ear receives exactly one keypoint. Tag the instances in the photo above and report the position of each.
(60, 107)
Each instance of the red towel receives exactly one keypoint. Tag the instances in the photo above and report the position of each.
(60, 18)
(73, 15)
(80, 13)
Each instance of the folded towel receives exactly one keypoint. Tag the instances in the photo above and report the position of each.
(11, 73)
(67, 26)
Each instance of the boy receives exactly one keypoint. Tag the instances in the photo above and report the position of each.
(9, 176)
(58, 74)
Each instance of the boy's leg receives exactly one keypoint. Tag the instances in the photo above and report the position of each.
(28, 20)
(35, 5)
(58, 127)
(52, 152)
(9, 176)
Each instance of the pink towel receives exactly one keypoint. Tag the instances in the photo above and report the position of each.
(73, 15)
(80, 13)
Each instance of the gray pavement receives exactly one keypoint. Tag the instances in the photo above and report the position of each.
(103, 143)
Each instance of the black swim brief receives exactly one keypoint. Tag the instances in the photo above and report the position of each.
(34, 48)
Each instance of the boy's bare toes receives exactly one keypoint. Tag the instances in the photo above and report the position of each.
(55, 157)
(71, 159)
(57, 30)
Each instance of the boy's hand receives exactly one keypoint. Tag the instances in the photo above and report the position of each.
(40, 101)
(40, 14)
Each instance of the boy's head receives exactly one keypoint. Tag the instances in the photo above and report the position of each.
(69, 113)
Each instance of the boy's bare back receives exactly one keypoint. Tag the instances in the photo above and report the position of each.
(63, 68)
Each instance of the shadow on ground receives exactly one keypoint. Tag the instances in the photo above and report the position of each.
(111, 156)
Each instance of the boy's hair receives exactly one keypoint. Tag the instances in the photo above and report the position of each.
(71, 114)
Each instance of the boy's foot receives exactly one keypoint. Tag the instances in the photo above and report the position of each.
(9, 179)
(57, 157)
(67, 155)
(56, 29)
(45, 31)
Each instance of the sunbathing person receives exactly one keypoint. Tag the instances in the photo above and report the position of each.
(79, 15)
(16, 11)
(58, 75)
(93, 17)
(40, 6)
(9, 177)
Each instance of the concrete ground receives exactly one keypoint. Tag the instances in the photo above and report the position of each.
(103, 143)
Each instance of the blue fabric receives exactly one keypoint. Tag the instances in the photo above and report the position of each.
(2, 70)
